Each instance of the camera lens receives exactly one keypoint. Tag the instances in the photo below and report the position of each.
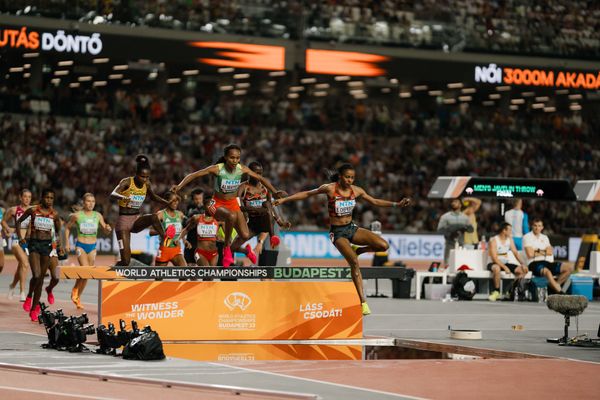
(89, 329)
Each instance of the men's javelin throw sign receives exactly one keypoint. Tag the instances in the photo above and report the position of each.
(452, 187)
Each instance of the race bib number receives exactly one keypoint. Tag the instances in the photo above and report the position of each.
(207, 230)
(44, 224)
(89, 227)
(136, 200)
(256, 203)
(230, 185)
(344, 207)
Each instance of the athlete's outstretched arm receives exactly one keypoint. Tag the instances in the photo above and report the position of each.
(360, 192)
(193, 221)
(120, 188)
(268, 205)
(57, 226)
(264, 181)
(154, 196)
(323, 189)
(213, 169)
(71, 221)
(106, 227)
(5, 218)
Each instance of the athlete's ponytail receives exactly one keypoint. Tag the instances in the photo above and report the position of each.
(334, 176)
(142, 163)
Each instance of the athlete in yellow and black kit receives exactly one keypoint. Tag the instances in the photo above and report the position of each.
(131, 194)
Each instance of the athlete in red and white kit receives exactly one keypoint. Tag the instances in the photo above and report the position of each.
(206, 253)
(341, 200)
(44, 219)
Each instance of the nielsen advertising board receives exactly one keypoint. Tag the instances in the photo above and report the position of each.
(406, 247)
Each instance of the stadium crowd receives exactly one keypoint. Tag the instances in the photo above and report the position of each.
(552, 28)
(297, 141)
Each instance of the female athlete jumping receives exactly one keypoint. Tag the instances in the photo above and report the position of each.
(341, 199)
(131, 193)
(228, 172)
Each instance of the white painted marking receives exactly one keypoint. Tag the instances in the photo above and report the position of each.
(77, 396)
(203, 373)
(460, 315)
(380, 330)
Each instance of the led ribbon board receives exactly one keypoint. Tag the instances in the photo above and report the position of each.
(451, 187)
(588, 190)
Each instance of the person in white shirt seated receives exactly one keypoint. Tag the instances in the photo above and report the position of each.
(541, 259)
(505, 257)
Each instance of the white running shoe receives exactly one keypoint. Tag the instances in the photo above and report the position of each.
(11, 292)
(23, 296)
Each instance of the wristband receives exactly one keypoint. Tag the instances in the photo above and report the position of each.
(394, 204)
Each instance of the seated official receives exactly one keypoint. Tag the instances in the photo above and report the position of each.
(541, 260)
(501, 246)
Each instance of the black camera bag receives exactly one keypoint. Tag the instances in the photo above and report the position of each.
(147, 346)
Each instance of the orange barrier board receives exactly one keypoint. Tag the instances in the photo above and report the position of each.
(254, 310)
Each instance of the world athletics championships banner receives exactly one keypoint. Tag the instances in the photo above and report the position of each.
(236, 310)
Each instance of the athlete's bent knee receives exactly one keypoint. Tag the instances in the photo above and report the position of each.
(382, 245)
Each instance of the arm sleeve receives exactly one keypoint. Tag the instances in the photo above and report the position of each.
(443, 223)
(526, 241)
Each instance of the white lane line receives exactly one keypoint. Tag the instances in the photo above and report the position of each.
(77, 396)
(465, 315)
(203, 373)
(82, 366)
(28, 333)
(323, 382)
(381, 330)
